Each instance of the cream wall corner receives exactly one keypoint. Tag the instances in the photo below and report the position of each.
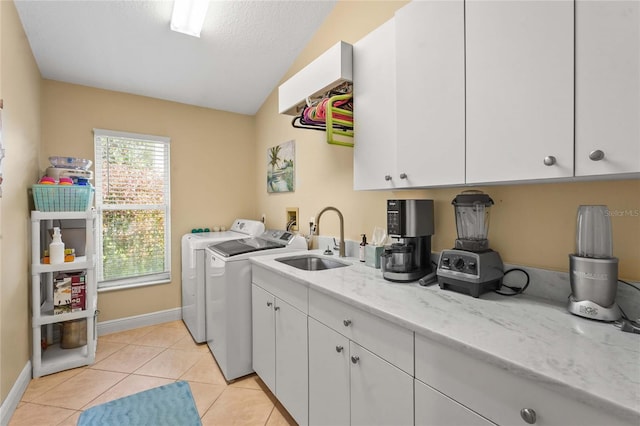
(212, 178)
(21, 93)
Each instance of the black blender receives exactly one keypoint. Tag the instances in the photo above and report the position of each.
(471, 267)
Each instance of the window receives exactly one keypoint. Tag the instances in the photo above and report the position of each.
(133, 203)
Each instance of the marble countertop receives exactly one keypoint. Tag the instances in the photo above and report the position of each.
(535, 338)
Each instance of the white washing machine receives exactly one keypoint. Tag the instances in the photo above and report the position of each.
(194, 270)
(228, 294)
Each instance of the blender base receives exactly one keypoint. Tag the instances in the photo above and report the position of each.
(588, 309)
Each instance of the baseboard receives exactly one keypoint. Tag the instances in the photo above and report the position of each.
(10, 404)
(129, 323)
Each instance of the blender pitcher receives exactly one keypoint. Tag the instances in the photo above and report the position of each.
(472, 220)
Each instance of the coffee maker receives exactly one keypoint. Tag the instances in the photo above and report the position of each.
(411, 223)
(471, 267)
(593, 271)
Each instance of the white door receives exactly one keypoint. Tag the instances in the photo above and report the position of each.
(263, 336)
(607, 87)
(292, 361)
(381, 394)
(329, 402)
(374, 119)
(519, 76)
(435, 408)
(430, 93)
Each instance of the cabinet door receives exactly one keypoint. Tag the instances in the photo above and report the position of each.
(292, 361)
(430, 93)
(374, 84)
(607, 87)
(434, 408)
(328, 376)
(381, 394)
(264, 339)
(519, 59)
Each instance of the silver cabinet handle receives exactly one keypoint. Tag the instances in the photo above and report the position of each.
(269, 304)
(276, 308)
(387, 177)
(346, 322)
(339, 348)
(403, 175)
(355, 359)
(550, 160)
(528, 415)
(596, 155)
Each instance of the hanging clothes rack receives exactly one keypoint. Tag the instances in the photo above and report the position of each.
(333, 114)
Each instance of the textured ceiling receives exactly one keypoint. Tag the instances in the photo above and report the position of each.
(244, 50)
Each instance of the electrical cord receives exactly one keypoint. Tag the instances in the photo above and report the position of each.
(515, 290)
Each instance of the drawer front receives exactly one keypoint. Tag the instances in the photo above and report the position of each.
(286, 289)
(387, 340)
(496, 393)
(434, 408)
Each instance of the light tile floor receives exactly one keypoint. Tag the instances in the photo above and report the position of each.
(140, 359)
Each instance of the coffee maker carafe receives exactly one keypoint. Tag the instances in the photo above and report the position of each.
(411, 224)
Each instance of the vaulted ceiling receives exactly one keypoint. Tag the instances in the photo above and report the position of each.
(245, 48)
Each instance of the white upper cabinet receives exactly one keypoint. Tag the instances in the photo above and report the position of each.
(519, 87)
(374, 112)
(607, 87)
(430, 94)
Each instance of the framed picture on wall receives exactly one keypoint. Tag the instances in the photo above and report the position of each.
(281, 167)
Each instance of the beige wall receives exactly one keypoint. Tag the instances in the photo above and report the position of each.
(212, 178)
(20, 91)
(531, 225)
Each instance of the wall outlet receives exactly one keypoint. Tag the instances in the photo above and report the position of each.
(292, 219)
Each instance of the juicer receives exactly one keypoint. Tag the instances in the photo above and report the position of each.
(471, 266)
(593, 271)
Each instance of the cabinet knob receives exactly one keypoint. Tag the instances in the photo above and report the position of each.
(339, 348)
(269, 304)
(550, 160)
(387, 177)
(355, 359)
(347, 322)
(276, 308)
(596, 155)
(528, 415)
(403, 175)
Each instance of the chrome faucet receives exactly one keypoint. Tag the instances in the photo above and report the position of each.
(317, 228)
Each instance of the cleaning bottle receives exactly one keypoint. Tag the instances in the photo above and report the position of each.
(362, 245)
(56, 248)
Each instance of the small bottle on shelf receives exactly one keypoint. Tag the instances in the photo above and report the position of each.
(56, 248)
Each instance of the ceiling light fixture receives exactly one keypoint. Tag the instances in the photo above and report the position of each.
(188, 16)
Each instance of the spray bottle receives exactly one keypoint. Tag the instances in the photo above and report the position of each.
(56, 248)
(362, 246)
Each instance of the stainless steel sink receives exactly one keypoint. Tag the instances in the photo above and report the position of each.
(311, 262)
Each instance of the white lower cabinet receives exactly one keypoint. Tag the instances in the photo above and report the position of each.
(350, 385)
(502, 396)
(279, 340)
(329, 364)
(381, 394)
(435, 408)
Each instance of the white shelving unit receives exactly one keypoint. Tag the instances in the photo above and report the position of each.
(54, 358)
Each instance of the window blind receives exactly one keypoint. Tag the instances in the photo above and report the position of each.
(133, 201)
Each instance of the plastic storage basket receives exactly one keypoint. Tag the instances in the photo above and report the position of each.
(62, 198)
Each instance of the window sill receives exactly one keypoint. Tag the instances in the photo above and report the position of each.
(127, 286)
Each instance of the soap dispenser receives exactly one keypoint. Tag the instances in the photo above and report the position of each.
(363, 243)
(56, 248)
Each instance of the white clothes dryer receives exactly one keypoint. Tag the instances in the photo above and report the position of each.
(194, 269)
